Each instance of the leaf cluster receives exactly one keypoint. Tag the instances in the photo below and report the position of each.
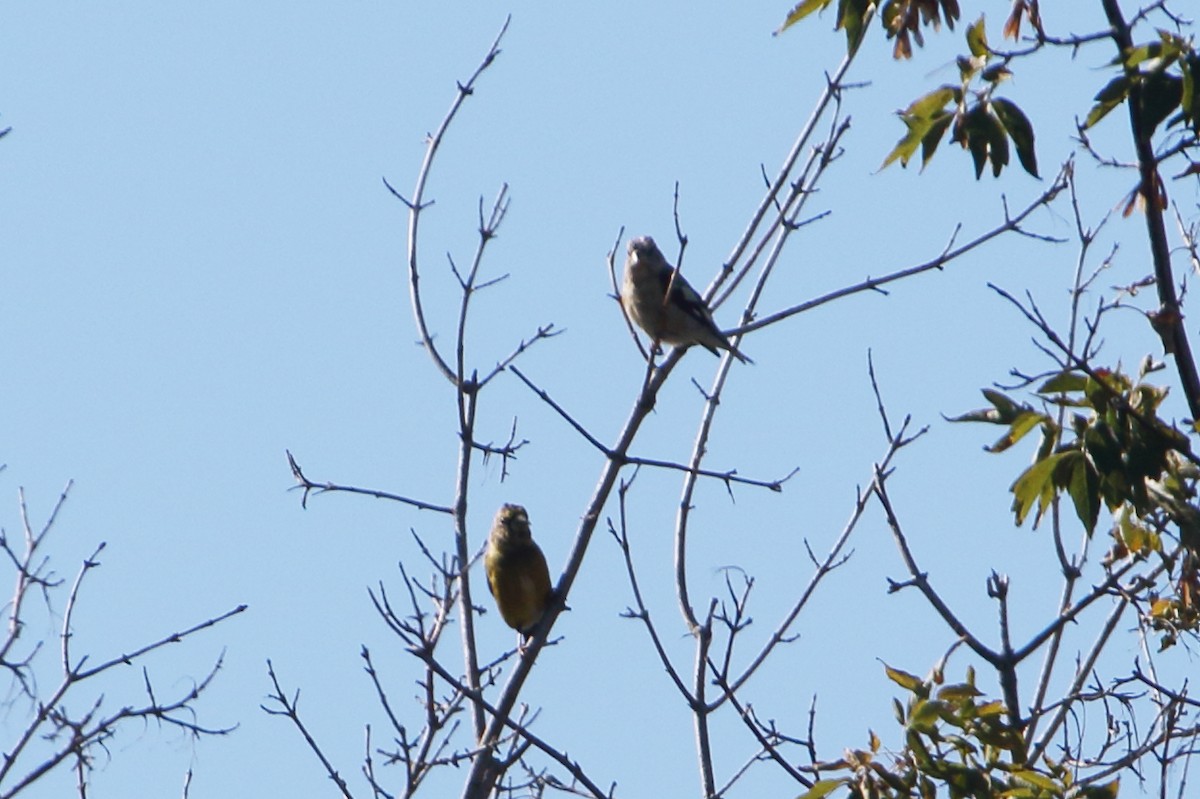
(978, 121)
(1110, 449)
(957, 744)
(902, 19)
(852, 17)
(1162, 77)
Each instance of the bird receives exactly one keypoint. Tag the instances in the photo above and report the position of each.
(516, 570)
(665, 305)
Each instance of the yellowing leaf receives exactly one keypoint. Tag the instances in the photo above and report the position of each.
(905, 148)
(1039, 781)
(977, 39)
(952, 693)
(925, 714)
(1137, 55)
(930, 105)
(822, 788)
(909, 682)
(1161, 608)
(800, 11)
(1063, 381)
(993, 708)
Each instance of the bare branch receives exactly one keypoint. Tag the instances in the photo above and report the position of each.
(290, 708)
(309, 486)
(1012, 224)
(418, 204)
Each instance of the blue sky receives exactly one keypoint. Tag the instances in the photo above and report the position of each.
(202, 268)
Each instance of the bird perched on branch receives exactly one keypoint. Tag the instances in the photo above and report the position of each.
(516, 570)
(665, 305)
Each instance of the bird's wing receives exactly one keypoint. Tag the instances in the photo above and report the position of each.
(491, 585)
(542, 573)
(684, 297)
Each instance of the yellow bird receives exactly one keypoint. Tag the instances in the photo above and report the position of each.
(516, 570)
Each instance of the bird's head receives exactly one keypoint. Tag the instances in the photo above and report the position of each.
(512, 523)
(643, 247)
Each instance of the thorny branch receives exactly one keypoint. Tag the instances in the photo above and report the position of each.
(308, 486)
(73, 725)
(502, 733)
(1011, 224)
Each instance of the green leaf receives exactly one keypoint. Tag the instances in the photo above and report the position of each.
(951, 12)
(1106, 791)
(925, 715)
(977, 144)
(996, 73)
(852, 17)
(931, 140)
(981, 415)
(1039, 781)
(954, 693)
(930, 105)
(822, 788)
(1102, 447)
(1064, 382)
(1017, 124)
(1051, 433)
(1009, 410)
(905, 148)
(975, 133)
(1084, 489)
(800, 11)
(962, 745)
(977, 39)
(918, 751)
(1115, 89)
(1035, 484)
(1108, 98)
(1020, 426)
(997, 143)
(1139, 54)
(1161, 94)
(1190, 102)
(1000, 736)
(919, 118)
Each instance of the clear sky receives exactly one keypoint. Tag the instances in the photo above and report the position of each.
(201, 268)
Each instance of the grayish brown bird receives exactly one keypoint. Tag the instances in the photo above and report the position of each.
(665, 305)
(516, 570)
